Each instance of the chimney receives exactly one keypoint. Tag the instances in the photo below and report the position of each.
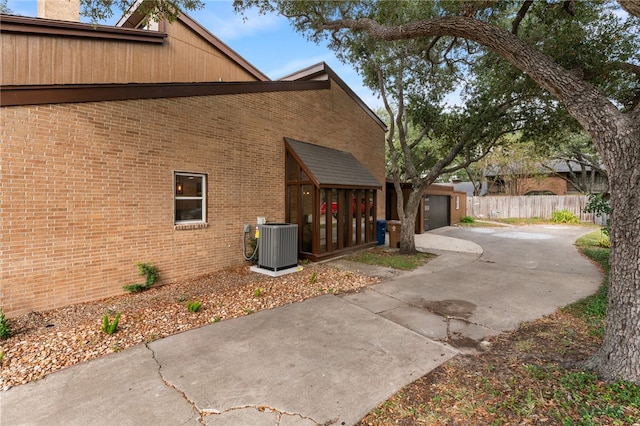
(63, 10)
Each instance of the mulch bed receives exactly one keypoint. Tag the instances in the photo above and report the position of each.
(45, 342)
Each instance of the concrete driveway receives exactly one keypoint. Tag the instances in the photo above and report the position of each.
(520, 274)
(328, 360)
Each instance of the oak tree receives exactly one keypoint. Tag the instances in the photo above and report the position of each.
(592, 70)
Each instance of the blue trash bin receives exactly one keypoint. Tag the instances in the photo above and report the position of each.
(381, 231)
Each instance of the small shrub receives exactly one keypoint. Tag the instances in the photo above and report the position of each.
(564, 216)
(134, 288)
(194, 306)
(599, 205)
(146, 270)
(604, 241)
(5, 327)
(467, 219)
(110, 327)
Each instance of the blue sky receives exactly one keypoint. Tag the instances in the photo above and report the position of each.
(267, 41)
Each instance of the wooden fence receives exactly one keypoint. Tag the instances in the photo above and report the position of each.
(527, 206)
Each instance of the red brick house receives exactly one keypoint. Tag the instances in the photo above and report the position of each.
(124, 145)
(558, 178)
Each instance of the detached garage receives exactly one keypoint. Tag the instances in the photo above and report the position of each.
(440, 206)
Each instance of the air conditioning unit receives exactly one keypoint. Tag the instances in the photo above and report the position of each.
(278, 246)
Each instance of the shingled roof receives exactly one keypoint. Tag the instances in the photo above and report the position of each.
(329, 167)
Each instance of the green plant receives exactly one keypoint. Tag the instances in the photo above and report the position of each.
(604, 241)
(467, 219)
(258, 292)
(216, 319)
(525, 345)
(1, 356)
(110, 327)
(564, 216)
(194, 306)
(313, 278)
(599, 205)
(593, 309)
(5, 327)
(146, 270)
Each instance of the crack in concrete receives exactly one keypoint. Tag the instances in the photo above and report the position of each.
(212, 411)
(194, 406)
(466, 321)
(280, 414)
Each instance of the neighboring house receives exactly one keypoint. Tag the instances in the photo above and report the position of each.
(124, 145)
(558, 178)
(468, 187)
(441, 205)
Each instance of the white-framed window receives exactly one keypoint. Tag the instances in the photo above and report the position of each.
(190, 197)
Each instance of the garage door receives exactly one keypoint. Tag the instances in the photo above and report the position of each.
(436, 211)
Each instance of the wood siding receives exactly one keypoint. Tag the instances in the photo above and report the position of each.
(56, 58)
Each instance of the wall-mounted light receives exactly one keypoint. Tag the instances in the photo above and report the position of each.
(178, 187)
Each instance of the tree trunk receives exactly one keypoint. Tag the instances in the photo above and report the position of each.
(408, 230)
(617, 137)
(619, 356)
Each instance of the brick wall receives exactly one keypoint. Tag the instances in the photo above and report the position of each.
(554, 184)
(87, 188)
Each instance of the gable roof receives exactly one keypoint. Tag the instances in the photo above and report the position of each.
(134, 19)
(553, 166)
(80, 53)
(322, 71)
(53, 87)
(329, 167)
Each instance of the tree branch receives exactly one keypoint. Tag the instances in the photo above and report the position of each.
(583, 101)
(520, 16)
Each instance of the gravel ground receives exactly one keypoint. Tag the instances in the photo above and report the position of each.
(45, 342)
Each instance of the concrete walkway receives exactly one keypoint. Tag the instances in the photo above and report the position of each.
(327, 360)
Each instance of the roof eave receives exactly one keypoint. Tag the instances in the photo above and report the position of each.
(74, 93)
(41, 26)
